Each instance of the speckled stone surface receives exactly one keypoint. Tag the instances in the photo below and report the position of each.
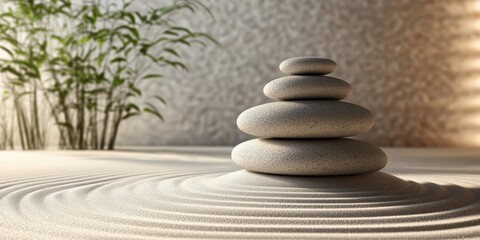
(307, 87)
(307, 66)
(305, 119)
(418, 73)
(340, 156)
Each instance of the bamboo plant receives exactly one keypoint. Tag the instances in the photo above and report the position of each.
(21, 72)
(86, 63)
(6, 122)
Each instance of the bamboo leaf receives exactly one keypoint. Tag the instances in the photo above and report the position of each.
(117, 81)
(152, 110)
(132, 30)
(152, 76)
(131, 106)
(169, 32)
(95, 12)
(162, 100)
(130, 16)
(171, 51)
(83, 40)
(182, 41)
(134, 89)
(175, 64)
(118, 59)
(12, 71)
(7, 51)
(129, 115)
(186, 30)
(208, 37)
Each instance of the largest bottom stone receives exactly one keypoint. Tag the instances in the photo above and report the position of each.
(314, 157)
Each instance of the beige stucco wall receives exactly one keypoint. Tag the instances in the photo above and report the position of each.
(414, 63)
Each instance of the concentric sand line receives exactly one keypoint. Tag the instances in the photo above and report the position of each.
(161, 199)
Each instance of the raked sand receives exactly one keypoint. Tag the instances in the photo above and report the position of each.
(200, 193)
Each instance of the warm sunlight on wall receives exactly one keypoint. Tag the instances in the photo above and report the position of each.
(468, 47)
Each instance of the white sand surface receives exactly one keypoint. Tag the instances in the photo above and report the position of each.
(199, 193)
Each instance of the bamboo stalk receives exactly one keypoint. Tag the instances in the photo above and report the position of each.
(36, 136)
(19, 123)
(115, 126)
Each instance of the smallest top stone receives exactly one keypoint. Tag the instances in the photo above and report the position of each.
(307, 66)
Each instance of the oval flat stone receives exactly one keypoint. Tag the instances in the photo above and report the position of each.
(320, 157)
(307, 87)
(307, 66)
(305, 119)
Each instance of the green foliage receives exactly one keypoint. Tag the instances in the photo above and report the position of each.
(85, 63)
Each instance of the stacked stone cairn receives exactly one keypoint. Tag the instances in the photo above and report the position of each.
(304, 132)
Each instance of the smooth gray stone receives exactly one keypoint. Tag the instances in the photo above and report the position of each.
(307, 66)
(305, 119)
(319, 157)
(307, 87)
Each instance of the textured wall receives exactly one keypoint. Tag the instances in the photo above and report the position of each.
(415, 64)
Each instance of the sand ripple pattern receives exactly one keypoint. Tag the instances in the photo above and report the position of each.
(217, 203)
